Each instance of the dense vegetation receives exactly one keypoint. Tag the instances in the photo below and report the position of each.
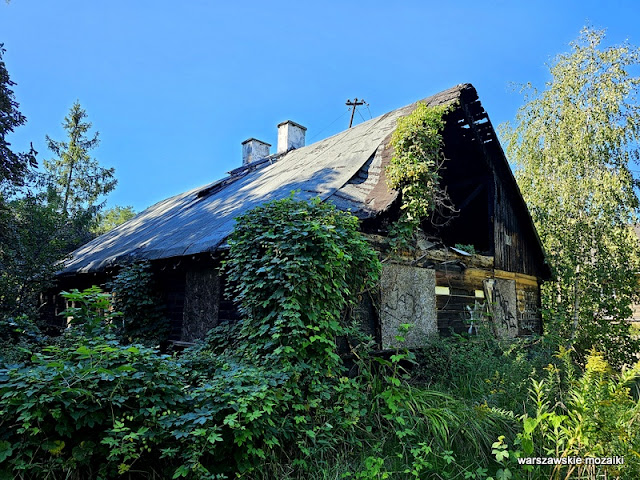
(575, 145)
(270, 396)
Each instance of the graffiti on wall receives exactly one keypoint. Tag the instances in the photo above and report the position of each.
(501, 295)
(528, 310)
(407, 297)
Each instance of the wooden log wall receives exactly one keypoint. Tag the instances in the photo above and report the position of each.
(464, 293)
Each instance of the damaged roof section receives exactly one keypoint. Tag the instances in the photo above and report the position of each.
(345, 168)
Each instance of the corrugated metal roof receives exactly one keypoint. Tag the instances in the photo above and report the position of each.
(344, 168)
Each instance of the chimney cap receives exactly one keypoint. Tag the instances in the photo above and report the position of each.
(292, 123)
(252, 139)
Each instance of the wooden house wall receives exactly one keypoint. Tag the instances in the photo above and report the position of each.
(514, 241)
(511, 302)
(171, 285)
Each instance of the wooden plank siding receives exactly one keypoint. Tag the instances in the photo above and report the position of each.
(464, 287)
(513, 249)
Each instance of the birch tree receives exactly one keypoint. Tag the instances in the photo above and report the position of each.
(574, 145)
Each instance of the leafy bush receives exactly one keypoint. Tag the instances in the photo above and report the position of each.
(143, 316)
(293, 268)
(90, 311)
(19, 338)
(595, 415)
(90, 407)
(64, 411)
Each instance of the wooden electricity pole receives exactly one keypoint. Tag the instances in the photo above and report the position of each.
(356, 103)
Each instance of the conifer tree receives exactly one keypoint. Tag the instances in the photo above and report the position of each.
(75, 178)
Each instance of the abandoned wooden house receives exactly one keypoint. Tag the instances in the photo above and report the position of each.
(441, 288)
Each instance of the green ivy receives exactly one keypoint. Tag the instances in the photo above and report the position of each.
(413, 170)
(143, 316)
(294, 267)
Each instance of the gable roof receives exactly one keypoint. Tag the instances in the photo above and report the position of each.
(201, 219)
(346, 169)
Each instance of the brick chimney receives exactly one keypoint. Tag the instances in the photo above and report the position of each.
(290, 136)
(254, 149)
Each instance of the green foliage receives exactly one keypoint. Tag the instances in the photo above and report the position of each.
(13, 166)
(430, 432)
(413, 170)
(20, 273)
(143, 317)
(89, 408)
(484, 369)
(75, 180)
(466, 248)
(90, 311)
(20, 337)
(294, 267)
(32, 239)
(574, 145)
(595, 415)
(111, 218)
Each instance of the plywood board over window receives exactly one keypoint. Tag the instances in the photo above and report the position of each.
(503, 304)
(201, 303)
(407, 297)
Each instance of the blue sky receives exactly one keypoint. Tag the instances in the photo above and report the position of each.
(175, 87)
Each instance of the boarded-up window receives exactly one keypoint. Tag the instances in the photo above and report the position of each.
(503, 304)
(407, 297)
(201, 303)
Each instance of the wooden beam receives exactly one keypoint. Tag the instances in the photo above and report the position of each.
(474, 193)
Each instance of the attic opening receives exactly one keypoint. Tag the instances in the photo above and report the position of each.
(470, 184)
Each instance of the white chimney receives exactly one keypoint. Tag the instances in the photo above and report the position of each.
(254, 149)
(290, 136)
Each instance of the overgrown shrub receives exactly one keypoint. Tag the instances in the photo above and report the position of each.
(20, 337)
(294, 267)
(594, 415)
(64, 410)
(485, 369)
(143, 316)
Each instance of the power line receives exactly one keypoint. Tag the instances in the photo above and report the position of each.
(342, 115)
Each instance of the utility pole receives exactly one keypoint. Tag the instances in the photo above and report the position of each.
(356, 103)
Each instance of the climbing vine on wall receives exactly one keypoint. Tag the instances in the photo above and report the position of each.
(294, 266)
(136, 297)
(413, 170)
